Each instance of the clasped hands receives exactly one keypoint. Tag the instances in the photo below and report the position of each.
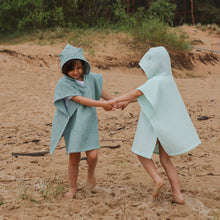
(113, 104)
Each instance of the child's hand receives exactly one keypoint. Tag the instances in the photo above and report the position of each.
(122, 105)
(109, 105)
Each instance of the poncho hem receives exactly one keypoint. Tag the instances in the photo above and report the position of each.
(185, 151)
(84, 150)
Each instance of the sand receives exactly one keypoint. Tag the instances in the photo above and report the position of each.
(33, 187)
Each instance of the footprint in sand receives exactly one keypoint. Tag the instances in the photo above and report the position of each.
(197, 206)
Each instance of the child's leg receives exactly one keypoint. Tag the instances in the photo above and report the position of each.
(172, 175)
(73, 170)
(149, 166)
(92, 158)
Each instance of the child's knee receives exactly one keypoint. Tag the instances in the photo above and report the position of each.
(92, 156)
(165, 161)
(74, 159)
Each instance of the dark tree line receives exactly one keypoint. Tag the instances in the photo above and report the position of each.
(17, 15)
(197, 11)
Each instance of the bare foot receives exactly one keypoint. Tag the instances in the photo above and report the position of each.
(157, 188)
(70, 194)
(178, 199)
(91, 182)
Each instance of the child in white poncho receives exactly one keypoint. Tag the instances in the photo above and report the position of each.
(164, 125)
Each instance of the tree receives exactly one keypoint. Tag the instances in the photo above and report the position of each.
(192, 13)
(165, 10)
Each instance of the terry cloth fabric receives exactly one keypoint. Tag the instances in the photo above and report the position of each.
(163, 114)
(77, 123)
(73, 53)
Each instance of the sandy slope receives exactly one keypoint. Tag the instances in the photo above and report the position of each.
(33, 187)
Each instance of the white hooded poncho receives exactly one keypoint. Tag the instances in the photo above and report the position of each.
(163, 114)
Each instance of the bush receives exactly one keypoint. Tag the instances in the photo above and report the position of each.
(153, 32)
(164, 10)
(28, 14)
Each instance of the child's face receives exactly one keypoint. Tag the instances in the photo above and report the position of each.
(77, 71)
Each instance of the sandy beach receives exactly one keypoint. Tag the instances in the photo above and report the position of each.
(32, 187)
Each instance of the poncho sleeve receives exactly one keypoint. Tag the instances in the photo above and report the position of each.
(65, 88)
(149, 101)
(98, 83)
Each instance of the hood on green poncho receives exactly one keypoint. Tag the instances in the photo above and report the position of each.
(73, 53)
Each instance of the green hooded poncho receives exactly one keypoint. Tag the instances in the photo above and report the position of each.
(77, 123)
(163, 114)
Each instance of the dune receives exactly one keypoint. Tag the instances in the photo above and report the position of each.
(32, 187)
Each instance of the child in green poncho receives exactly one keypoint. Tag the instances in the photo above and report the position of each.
(77, 95)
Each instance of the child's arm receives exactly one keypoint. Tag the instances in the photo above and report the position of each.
(129, 97)
(122, 105)
(107, 105)
(105, 95)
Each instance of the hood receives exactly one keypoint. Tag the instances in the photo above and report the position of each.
(156, 62)
(73, 53)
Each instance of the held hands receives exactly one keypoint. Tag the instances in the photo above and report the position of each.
(112, 105)
(122, 105)
(123, 100)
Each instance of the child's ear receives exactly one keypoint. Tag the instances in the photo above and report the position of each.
(80, 50)
(60, 57)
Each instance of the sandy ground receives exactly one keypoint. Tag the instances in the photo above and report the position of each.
(33, 187)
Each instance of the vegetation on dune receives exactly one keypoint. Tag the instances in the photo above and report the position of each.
(148, 23)
(28, 14)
